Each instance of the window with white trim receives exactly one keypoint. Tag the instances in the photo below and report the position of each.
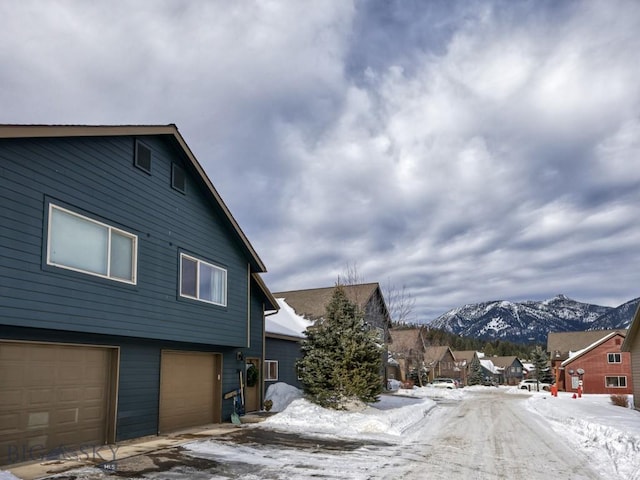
(615, 382)
(202, 281)
(270, 370)
(614, 357)
(82, 244)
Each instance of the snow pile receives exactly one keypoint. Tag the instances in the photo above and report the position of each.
(432, 392)
(282, 394)
(609, 434)
(7, 476)
(391, 416)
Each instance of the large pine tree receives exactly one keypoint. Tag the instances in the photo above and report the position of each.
(475, 377)
(541, 362)
(341, 357)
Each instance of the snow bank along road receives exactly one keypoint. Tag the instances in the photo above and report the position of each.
(481, 435)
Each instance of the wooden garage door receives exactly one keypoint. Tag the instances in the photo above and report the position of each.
(189, 390)
(52, 398)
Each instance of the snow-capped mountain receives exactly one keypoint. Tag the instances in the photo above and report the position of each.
(521, 322)
(619, 317)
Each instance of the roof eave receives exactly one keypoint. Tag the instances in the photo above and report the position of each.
(632, 332)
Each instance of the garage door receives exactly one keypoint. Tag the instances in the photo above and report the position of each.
(53, 398)
(189, 390)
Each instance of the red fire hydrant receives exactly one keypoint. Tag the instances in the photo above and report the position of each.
(554, 390)
(580, 392)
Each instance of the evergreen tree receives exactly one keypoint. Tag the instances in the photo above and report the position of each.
(419, 375)
(475, 376)
(341, 357)
(541, 362)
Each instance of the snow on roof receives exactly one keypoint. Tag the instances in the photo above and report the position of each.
(286, 321)
(488, 364)
(530, 367)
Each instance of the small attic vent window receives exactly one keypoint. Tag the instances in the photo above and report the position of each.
(178, 178)
(142, 158)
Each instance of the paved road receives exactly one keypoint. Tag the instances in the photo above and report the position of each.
(484, 436)
(491, 436)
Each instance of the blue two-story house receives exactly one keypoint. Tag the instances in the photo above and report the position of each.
(130, 299)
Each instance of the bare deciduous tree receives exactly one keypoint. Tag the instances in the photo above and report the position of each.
(350, 275)
(399, 302)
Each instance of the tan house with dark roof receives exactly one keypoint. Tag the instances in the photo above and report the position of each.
(441, 363)
(407, 348)
(464, 360)
(632, 344)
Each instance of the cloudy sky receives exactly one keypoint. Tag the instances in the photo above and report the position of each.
(470, 151)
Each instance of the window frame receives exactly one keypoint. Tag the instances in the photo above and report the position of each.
(618, 378)
(268, 364)
(200, 262)
(111, 229)
(611, 357)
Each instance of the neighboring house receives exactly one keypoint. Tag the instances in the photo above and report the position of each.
(510, 369)
(601, 367)
(489, 371)
(440, 362)
(284, 330)
(131, 298)
(311, 304)
(464, 360)
(407, 348)
(631, 345)
(561, 344)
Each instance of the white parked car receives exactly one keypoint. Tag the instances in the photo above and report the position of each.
(444, 383)
(534, 385)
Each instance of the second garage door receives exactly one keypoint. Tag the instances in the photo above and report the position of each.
(189, 390)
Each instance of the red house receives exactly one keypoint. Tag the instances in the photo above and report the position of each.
(601, 367)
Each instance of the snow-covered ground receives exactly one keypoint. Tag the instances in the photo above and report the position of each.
(607, 435)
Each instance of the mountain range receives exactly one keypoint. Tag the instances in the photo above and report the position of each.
(531, 321)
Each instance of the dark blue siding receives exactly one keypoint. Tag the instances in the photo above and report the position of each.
(96, 177)
(257, 324)
(287, 353)
(138, 391)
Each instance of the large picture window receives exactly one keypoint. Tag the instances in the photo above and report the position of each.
(202, 281)
(615, 382)
(79, 243)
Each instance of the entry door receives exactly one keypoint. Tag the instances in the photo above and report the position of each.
(252, 394)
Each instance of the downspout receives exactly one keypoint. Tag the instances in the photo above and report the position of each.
(263, 392)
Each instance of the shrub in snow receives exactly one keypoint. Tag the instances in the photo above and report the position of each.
(341, 357)
(620, 400)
